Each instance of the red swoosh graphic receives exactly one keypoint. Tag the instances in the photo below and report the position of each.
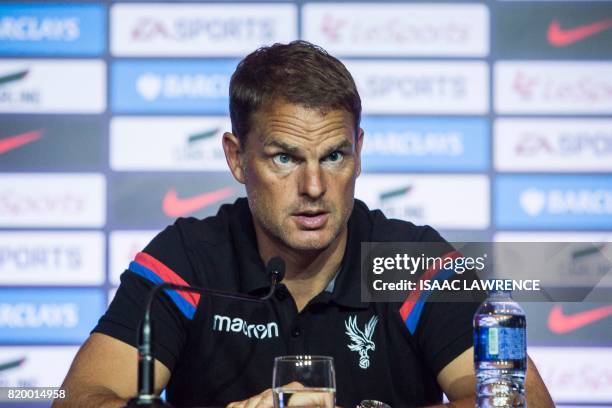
(173, 206)
(561, 323)
(559, 37)
(12, 142)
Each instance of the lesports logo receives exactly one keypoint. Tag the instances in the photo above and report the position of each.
(576, 374)
(560, 322)
(13, 76)
(563, 37)
(392, 30)
(553, 87)
(331, 27)
(173, 206)
(46, 200)
(9, 143)
(395, 29)
(10, 364)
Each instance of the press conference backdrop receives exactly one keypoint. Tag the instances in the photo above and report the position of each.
(487, 120)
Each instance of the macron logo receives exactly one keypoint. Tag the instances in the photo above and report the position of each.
(237, 325)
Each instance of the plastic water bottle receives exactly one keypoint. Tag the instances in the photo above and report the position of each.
(500, 352)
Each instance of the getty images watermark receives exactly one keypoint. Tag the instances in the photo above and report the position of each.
(31, 394)
(460, 271)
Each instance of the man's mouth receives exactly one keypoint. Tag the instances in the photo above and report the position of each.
(311, 220)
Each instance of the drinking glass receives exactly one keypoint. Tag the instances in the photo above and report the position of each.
(304, 381)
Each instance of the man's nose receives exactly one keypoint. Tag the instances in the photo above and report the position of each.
(312, 181)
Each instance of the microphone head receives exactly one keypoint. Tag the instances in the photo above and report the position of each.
(276, 268)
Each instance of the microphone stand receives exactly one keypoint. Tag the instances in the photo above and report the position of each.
(146, 368)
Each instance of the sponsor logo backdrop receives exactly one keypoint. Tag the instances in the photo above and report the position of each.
(487, 120)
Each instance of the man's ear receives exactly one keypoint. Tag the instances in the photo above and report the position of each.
(234, 156)
(358, 146)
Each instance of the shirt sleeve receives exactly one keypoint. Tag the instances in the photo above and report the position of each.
(441, 323)
(163, 260)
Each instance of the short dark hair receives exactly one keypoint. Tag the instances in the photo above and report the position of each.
(299, 73)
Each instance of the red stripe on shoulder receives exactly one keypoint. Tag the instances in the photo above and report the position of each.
(409, 303)
(167, 275)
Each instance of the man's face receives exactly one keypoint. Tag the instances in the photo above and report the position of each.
(300, 168)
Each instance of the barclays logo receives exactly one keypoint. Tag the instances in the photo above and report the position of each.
(52, 29)
(38, 29)
(534, 201)
(48, 315)
(418, 144)
(553, 202)
(151, 86)
(28, 315)
(173, 87)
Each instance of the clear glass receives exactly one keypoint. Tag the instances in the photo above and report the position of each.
(304, 381)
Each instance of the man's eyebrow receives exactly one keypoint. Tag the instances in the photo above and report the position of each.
(282, 145)
(345, 144)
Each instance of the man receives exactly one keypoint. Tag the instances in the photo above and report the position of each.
(295, 145)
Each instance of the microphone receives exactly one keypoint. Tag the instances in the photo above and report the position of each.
(146, 373)
(276, 272)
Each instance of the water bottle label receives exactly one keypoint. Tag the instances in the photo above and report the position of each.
(493, 341)
(502, 343)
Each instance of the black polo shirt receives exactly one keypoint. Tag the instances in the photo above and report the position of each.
(222, 350)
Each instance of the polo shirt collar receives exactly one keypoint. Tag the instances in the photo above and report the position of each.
(252, 272)
(347, 286)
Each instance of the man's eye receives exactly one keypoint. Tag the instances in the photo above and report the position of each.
(334, 157)
(282, 159)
